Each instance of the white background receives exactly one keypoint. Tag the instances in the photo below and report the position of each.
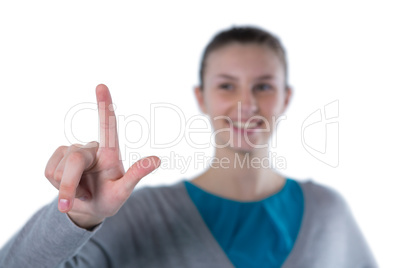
(53, 54)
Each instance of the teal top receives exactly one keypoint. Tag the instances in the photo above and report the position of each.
(253, 234)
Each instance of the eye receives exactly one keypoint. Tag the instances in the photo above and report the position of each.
(226, 86)
(263, 87)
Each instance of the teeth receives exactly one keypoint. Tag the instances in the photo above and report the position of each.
(245, 125)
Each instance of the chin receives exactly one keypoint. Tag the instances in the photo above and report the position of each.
(247, 149)
(241, 143)
(243, 147)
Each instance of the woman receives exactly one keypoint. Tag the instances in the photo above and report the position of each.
(237, 213)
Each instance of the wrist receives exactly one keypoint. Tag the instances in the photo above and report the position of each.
(85, 222)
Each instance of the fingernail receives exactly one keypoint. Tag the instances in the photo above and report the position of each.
(63, 204)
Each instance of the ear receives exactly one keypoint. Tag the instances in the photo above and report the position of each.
(288, 97)
(199, 95)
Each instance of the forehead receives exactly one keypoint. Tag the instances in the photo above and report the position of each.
(244, 60)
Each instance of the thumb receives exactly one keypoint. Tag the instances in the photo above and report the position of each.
(138, 170)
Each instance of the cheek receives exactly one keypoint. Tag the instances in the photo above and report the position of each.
(268, 106)
(272, 106)
(217, 106)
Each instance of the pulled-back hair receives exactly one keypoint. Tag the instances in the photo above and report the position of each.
(244, 35)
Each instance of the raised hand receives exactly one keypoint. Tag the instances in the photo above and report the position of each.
(91, 179)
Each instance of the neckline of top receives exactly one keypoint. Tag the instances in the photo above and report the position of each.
(275, 195)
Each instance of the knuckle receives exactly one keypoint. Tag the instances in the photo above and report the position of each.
(92, 144)
(74, 147)
(49, 173)
(61, 149)
(67, 187)
(134, 171)
(76, 157)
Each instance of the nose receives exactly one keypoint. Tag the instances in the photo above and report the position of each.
(247, 103)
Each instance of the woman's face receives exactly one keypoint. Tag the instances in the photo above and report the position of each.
(244, 94)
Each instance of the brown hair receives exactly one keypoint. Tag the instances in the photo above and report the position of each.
(244, 35)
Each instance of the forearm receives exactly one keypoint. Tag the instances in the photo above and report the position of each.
(48, 239)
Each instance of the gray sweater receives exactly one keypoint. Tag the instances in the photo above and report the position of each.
(161, 227)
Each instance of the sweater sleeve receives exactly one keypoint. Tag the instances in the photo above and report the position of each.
(48, 239)
(51, 239)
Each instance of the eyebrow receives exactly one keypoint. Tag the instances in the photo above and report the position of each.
(263, 77)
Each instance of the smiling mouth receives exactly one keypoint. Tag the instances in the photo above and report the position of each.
(247, 126)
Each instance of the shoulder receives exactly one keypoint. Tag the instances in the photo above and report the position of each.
(324, 205)
(329, 236)
(322, 197)
(326, 211)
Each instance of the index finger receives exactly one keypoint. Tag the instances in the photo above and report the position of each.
(107, 119)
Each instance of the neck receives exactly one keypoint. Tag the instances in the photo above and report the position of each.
(240, 176)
